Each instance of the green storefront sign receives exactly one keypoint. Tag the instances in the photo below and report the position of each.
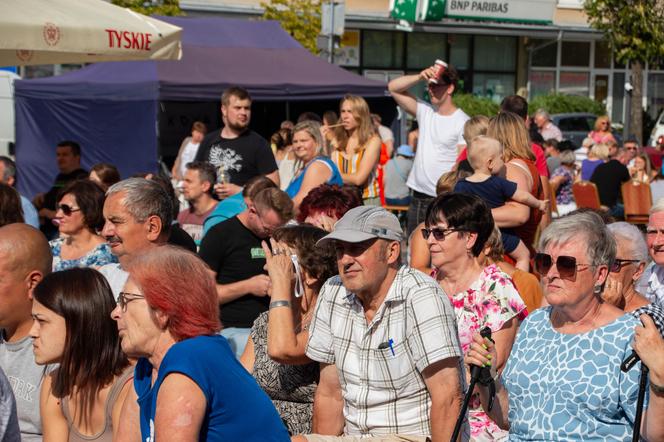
(522, 11)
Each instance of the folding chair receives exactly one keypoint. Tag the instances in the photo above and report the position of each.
(637, 199)
(586, 195)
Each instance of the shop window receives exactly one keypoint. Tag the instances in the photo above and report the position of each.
(542, 83)
(459, 51)
(575, 53)
(574, 83)
(38, 71)
(602, 54)
(382, 49)
(655, 94)
(544, 53)
(493, 86)
(495, 53)
(424, 48)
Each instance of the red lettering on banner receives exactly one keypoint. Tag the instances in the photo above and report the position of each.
(129, 40)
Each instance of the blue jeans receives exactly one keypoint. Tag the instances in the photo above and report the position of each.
(237, 339)
(417, 210)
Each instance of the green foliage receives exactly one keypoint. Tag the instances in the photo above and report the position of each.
(474, 105)
(634, 28)
(147, 7)
(559, 104)
(300, 18)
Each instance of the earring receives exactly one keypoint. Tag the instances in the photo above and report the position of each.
(597, 289)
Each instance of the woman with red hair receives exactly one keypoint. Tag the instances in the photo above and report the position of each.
(188, 383)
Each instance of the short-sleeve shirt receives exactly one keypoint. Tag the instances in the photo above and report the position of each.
(569, 386)
(243, 158)
(193, 223)
(237, 409)
(609, 177)
(436, 147)
(495, 190)
(97, 257)
(380, 364)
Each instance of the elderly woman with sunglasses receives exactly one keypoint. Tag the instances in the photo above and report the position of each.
(563, 379)
(457, 227)
(275, 356)
(627, 268)
(79, 217)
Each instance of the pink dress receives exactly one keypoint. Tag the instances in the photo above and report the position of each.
(491, 301)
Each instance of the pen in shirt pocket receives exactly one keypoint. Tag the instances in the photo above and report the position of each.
(388, 344)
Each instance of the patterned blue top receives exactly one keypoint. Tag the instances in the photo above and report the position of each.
(570, 387)
(296, 183)
(97, 257)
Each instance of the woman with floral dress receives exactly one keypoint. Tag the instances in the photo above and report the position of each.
(456, 229)
(562, 180)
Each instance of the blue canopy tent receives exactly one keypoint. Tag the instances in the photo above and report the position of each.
(111, 108)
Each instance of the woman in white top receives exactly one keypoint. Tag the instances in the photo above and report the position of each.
(188, 150)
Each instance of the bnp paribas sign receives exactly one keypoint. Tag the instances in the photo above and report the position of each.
(523, 11)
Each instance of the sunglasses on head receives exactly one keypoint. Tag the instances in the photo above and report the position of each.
(619, 263)
(438, 233)
(566, 265)
(67, 209)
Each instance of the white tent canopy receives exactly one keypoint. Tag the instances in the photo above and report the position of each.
(81, 31)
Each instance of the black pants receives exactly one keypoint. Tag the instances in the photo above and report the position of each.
(417, 209)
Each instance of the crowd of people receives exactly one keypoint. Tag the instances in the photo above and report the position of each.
(264, 292)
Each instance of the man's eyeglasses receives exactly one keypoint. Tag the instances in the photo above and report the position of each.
(67, 209)
(438, 233)
(126, 297)
(566, 265)
(619, 263)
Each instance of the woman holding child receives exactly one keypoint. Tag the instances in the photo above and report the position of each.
(457, 228)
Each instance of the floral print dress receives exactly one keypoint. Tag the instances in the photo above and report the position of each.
(492, 300)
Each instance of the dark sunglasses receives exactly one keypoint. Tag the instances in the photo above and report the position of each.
(619, 263)
(438, 233)
(566, 265)
(67, 209)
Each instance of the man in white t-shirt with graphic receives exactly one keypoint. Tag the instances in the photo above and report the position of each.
(441, 133)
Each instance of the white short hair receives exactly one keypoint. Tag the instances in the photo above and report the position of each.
(658, 206)
(630, 236)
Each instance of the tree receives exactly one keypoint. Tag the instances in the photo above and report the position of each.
(635, 32)
(300, 18)
(150, 7)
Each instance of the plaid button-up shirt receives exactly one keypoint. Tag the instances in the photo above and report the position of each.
(380, 364)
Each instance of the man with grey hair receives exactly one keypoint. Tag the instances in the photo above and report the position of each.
(138, 214)
(651, 283)
(546, 128)
(8, 176)
(386, 339)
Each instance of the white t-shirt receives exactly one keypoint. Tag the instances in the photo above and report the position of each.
(385, 133)
(436, 147)
(188, 155)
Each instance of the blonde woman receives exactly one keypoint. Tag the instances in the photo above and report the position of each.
(358, 148)
(642, 170)
(312, 168)
(597, 155)
(602, 132)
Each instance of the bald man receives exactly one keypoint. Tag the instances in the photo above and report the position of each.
(25, 258)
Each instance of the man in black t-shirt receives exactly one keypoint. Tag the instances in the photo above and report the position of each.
(237, 152)
(68, 157)
(609, 177)
(233, 251)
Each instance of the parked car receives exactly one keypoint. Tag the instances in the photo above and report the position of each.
(657, 133)
(576, 126)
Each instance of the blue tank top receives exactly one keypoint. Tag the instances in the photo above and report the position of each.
(237, 408)
(296, 183)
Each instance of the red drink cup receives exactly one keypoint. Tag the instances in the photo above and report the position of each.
(441, 67)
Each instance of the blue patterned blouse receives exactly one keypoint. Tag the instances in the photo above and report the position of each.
(97, 257)
(569, 387)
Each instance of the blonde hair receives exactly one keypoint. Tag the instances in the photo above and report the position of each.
(480, 148)
(510, 130)
(600, 120)
(365, 129)
(448, 180)
(600, 150)
(475, 127)
(312, 128)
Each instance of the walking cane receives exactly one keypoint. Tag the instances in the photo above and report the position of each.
(481, 375)
(626, 365)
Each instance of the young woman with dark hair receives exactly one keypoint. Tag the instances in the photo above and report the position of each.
(82, 398)
(10, 206)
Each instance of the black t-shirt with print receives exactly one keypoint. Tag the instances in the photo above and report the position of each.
(235, 254)
(244, 157)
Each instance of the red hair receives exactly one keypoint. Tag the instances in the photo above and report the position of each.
(179, 284)
(329, 199)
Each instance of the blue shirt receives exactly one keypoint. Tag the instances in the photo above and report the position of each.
(237, 408)
(226, 209)
(569, 386)
(296, 183)
(30, 215)
(495, 191)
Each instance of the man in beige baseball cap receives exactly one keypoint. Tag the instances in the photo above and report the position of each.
(385, 337)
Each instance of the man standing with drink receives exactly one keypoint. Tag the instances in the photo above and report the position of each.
(441, 132)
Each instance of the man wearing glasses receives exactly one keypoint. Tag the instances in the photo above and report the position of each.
(651, 283)
(441, 132)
